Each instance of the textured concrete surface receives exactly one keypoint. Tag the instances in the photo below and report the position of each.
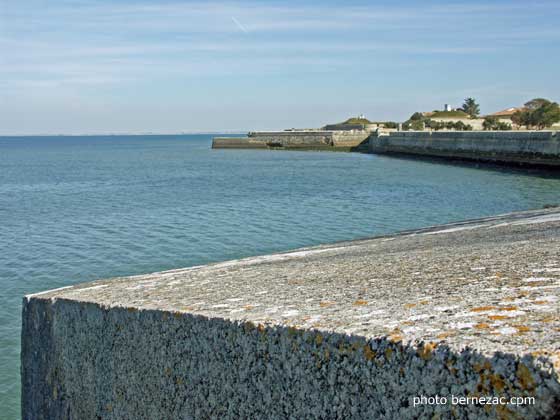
(518, 147)
(348, 330)
(298, 140)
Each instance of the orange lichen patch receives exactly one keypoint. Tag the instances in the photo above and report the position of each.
(540, 302)
(408, 323)
(248, 307)
(179, 381)
(360, 302)
(396, 335)
(497, 382)
(260, 328)
(369, 354)
(504, 413)
(522, 329)
(388, 353)
(427, 350)
(538, 353)
(538, 283)
(451, 367)
(482, 326)
(318, 339)
(446, 334)
(498, 274)
(292, 330)
(325, 304)
(483, 309)
(556, 360)
(167, 371)
(409, 305)
(524, 376)
(477, 367)
(497, 317)
(177, 315)
(424, 302)
(547, 319)
(507, 308)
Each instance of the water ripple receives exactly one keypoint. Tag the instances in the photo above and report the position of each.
(78, 208)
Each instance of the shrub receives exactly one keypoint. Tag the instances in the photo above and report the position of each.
(540, 113)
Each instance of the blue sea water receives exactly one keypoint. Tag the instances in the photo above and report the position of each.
(74, 209)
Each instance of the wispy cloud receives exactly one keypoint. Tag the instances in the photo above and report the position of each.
(82, 45)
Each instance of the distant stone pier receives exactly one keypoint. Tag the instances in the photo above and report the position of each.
(359, 329)
(353, 140)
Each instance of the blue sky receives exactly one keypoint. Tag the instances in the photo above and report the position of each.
(171, 66)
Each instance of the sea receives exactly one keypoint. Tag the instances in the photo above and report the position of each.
(79, 208)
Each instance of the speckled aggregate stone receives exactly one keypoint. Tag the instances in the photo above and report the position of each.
(349, 330)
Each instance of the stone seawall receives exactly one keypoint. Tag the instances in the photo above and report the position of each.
(517, 147)
(294, 140)
(345, 331)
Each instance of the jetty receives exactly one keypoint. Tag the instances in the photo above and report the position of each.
(357, 329)
(334, 140)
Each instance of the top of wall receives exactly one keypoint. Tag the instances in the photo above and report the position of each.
(490, 284)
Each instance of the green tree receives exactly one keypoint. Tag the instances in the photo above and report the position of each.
(538, 113)
(417, 125)
(546, 115)
(471, 107)
(536, 103)
(490, 122)
(521, 117)
(503, 126)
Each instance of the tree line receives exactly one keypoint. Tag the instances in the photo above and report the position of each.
(538, 113)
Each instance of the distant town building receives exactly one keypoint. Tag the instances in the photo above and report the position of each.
(450, 115)
(505, 115)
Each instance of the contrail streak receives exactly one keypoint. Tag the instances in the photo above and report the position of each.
(239, 25)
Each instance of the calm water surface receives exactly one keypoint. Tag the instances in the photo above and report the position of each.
(74, 209)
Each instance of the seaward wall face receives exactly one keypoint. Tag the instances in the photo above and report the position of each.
(518, 147)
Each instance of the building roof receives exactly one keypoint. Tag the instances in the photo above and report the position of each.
(506, 112)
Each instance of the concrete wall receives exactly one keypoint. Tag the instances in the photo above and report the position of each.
(519, 147)
(319, 140)
(351, 330)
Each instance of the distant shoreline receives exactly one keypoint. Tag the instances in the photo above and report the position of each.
(226, 132)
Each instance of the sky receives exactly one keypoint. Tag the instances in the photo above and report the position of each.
(134, 66)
